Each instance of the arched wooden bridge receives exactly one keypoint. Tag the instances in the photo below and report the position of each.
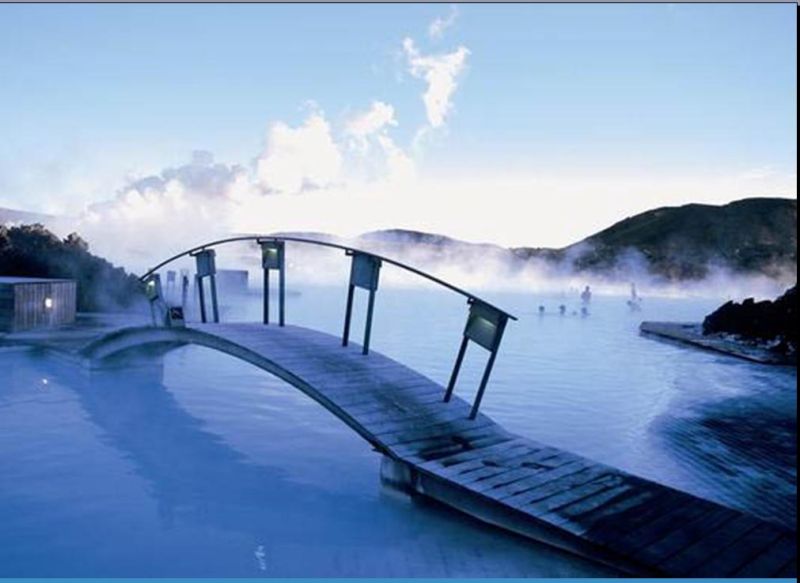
(438, 445)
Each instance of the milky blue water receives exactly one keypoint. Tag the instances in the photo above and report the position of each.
(202, 465)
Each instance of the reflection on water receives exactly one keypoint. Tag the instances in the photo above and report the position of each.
(216, 469)
(211, 467)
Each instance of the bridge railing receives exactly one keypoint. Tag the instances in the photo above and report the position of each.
(485, 323)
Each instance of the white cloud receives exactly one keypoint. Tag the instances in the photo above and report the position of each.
(301, 158)
(157, 214)
(378, 117)
(400, 166)
(376, 150)
(440, 73)
(440, 24)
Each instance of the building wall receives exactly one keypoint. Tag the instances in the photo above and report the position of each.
(22, 305)
(6, 307)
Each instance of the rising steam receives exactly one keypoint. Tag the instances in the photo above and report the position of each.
(346, 175)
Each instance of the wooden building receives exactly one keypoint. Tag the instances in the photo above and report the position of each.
(28, 302)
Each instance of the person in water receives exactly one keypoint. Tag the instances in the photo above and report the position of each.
(586, 296)
(562, 309)
(635, 302)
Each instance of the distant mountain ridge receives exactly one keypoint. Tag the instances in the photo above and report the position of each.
(14, 216)
(752, 236)
(748, 236)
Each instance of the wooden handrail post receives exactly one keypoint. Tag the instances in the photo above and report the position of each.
(484, 380)
(205, 261)
(485, 327)
(201, 296)
(214, 304)
(273, 257)
(456, 368)
(368, 324)
(348, 250)
(348, 314)
(266, 296)
(282, 293)
(364, 273)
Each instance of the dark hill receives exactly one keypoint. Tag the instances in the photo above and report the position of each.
(750, 236)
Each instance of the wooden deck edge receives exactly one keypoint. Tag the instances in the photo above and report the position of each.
(406, 477)
(687, 333)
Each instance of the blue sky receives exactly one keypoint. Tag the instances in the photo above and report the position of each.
(92, 96)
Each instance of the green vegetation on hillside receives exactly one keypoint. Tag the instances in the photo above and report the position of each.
(33, 251)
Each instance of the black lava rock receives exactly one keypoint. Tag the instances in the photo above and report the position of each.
(766, 321)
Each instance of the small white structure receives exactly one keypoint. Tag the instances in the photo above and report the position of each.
(31, 302)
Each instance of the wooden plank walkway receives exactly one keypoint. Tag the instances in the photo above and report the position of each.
(691, 333)
(478, 467)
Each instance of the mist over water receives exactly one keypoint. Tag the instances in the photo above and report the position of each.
(482, 269)
(593, 385)
(206, 465)
(197, 464)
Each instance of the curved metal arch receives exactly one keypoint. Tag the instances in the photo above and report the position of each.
(130, 339)
(471, 298)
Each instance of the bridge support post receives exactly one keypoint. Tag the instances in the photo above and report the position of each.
(485, 327)
(484, 380)
(456, 369)
(348, 314)
(206, 267)
(282, 293)
(398, 475)
(364, 272)
(368, 325)
(273, 257)
(266, 296)
(201, 296)
(214, 305)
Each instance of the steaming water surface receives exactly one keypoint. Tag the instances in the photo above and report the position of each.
(208, 466)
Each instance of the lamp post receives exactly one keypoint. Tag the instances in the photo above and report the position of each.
(485, 327)
(273, 256)
(152, 290)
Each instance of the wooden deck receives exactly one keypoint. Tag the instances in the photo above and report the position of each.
(476, 466)
(691, 333)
